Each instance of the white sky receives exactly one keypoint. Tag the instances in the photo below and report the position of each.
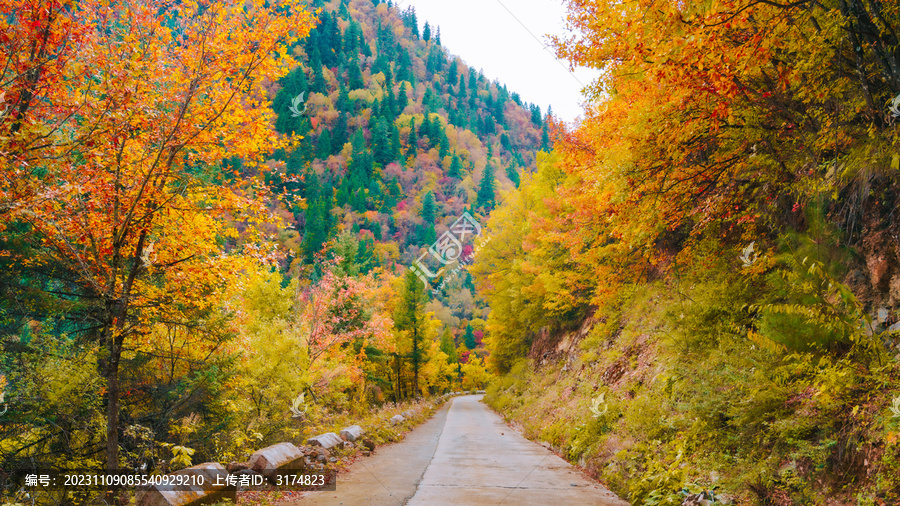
(498, 37)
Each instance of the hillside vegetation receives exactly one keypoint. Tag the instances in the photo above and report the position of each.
(698, 290)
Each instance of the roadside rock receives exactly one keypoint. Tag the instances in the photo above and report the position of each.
(328, 440)
(351, 433)
(277, 458)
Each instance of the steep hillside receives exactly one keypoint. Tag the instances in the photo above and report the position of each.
(395, 140)
(697, 293)
(402, 131)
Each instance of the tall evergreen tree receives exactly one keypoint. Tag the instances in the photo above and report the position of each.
(395, 142)
(355, 76)
(410, 319)
(317, 214)
(402, 98)
(360, 167)
(340, 134)
(343, 102)
(411, 21)
(412, 142)
(444, 144)
(452, 73)
(404, 67)
(486, 189)
(513, 174)
(469, 337)
(381, 143)
(429, 207)
(324, 145)
(455, 167)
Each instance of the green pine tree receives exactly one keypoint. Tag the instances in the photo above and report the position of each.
(412, 142)
(355, 77)
(410, 319)
(381, 143)
(395, 142)
(486, 189)
(429, 207)
(470, 337)
(455, 167)
(324, 145)
(402, 98)
(513, 174)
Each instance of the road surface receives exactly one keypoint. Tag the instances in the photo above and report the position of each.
(465, 454)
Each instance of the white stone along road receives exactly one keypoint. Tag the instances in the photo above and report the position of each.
(465, 454)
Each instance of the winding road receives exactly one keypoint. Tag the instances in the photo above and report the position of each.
(465, 454)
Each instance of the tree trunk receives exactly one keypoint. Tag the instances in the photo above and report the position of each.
(112, 406)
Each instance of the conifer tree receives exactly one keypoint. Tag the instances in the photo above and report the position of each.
(340, 135)
(455, 167)
(486, 194)
(395, 142)
(324, 145)
(428, 208)
(343, 102)
(402, 98)
(355, 77)
(452, 73)
(444, 144)
(412, 142)
(381, 143)
(469, 337)
(317, 213)
(513, 174)
(410, 319)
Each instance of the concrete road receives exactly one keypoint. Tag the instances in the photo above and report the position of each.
(465, 454)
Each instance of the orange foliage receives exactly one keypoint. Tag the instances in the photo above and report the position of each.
(115, 130)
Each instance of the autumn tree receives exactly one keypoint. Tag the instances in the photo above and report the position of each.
(123, 197)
